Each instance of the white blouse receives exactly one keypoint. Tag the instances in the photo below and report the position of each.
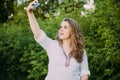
(56, 67)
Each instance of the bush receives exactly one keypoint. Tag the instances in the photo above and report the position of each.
(102, 41)
(21, 58)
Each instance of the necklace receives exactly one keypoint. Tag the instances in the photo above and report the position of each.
(67, 62)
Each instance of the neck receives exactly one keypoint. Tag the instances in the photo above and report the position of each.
(66, 43)
(66, 46)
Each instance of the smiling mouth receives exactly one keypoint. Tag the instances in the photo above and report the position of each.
(61, 33)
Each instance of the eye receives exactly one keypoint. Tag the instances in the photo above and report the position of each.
(65, 27)
(59, 27)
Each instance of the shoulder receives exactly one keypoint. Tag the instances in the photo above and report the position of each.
(84, 52)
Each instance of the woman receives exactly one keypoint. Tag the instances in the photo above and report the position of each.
(67, 56)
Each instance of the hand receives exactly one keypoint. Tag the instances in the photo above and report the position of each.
(30, 7)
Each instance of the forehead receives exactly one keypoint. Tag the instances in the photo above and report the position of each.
(64, 23)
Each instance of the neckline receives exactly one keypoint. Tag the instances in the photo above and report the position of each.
(67, 62)
(67, 56)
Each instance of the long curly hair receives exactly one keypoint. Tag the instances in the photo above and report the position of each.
(76, 40)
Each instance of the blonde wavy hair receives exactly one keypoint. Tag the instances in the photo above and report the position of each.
(76, 40)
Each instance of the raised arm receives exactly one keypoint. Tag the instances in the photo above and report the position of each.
(32, 20)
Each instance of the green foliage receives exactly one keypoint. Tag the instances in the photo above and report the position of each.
(102, 41)
(72, 7)
(11, 49)
(6, 9)
(21, 58)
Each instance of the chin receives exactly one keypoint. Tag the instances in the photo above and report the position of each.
(61, 38)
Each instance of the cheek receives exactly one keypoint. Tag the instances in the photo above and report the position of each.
(68, 34)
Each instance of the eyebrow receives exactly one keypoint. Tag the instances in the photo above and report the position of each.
(59, 27)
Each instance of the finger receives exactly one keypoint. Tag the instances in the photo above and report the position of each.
(35, 1)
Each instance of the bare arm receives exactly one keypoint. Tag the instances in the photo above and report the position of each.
(32, 20)
(84, 77)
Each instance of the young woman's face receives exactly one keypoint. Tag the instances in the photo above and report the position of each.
(64, 31)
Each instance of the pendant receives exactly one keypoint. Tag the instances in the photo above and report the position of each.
(67, 62)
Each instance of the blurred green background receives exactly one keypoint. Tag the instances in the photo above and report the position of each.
(22, 58)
